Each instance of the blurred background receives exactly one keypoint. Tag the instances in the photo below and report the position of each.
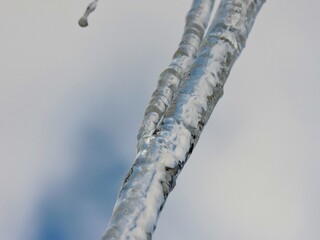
(72, 99)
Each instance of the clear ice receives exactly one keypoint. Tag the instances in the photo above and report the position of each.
(83, 22)
(181, 105)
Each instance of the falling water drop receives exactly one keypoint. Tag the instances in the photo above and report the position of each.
(83, 22)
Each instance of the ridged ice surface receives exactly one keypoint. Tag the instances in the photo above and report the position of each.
(196, 23)
(169, 140)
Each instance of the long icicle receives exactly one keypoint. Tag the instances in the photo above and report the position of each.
(160, 160)
(83, 22)
(196, 23)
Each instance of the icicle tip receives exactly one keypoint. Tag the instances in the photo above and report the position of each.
(83, 22)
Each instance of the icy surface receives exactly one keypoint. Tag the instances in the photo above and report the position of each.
(177, 114)
(196, 23)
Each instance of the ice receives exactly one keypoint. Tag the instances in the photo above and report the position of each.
(83, 22)
(186, 95)
(196, 23)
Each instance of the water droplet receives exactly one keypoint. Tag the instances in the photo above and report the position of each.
(83, 22)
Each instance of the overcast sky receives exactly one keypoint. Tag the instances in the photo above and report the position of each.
(71, 101)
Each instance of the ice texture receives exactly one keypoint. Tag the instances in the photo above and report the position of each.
(196, 23)
(180, 108)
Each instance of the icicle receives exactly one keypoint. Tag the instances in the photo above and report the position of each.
(83, 22)
(196, 23)
(165, 151)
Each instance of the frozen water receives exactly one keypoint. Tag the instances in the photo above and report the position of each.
(196, 23)
(83, 22)
(186, 95)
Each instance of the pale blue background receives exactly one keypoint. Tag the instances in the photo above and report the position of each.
(71, 101)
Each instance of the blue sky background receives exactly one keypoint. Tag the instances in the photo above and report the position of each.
(71, 101)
